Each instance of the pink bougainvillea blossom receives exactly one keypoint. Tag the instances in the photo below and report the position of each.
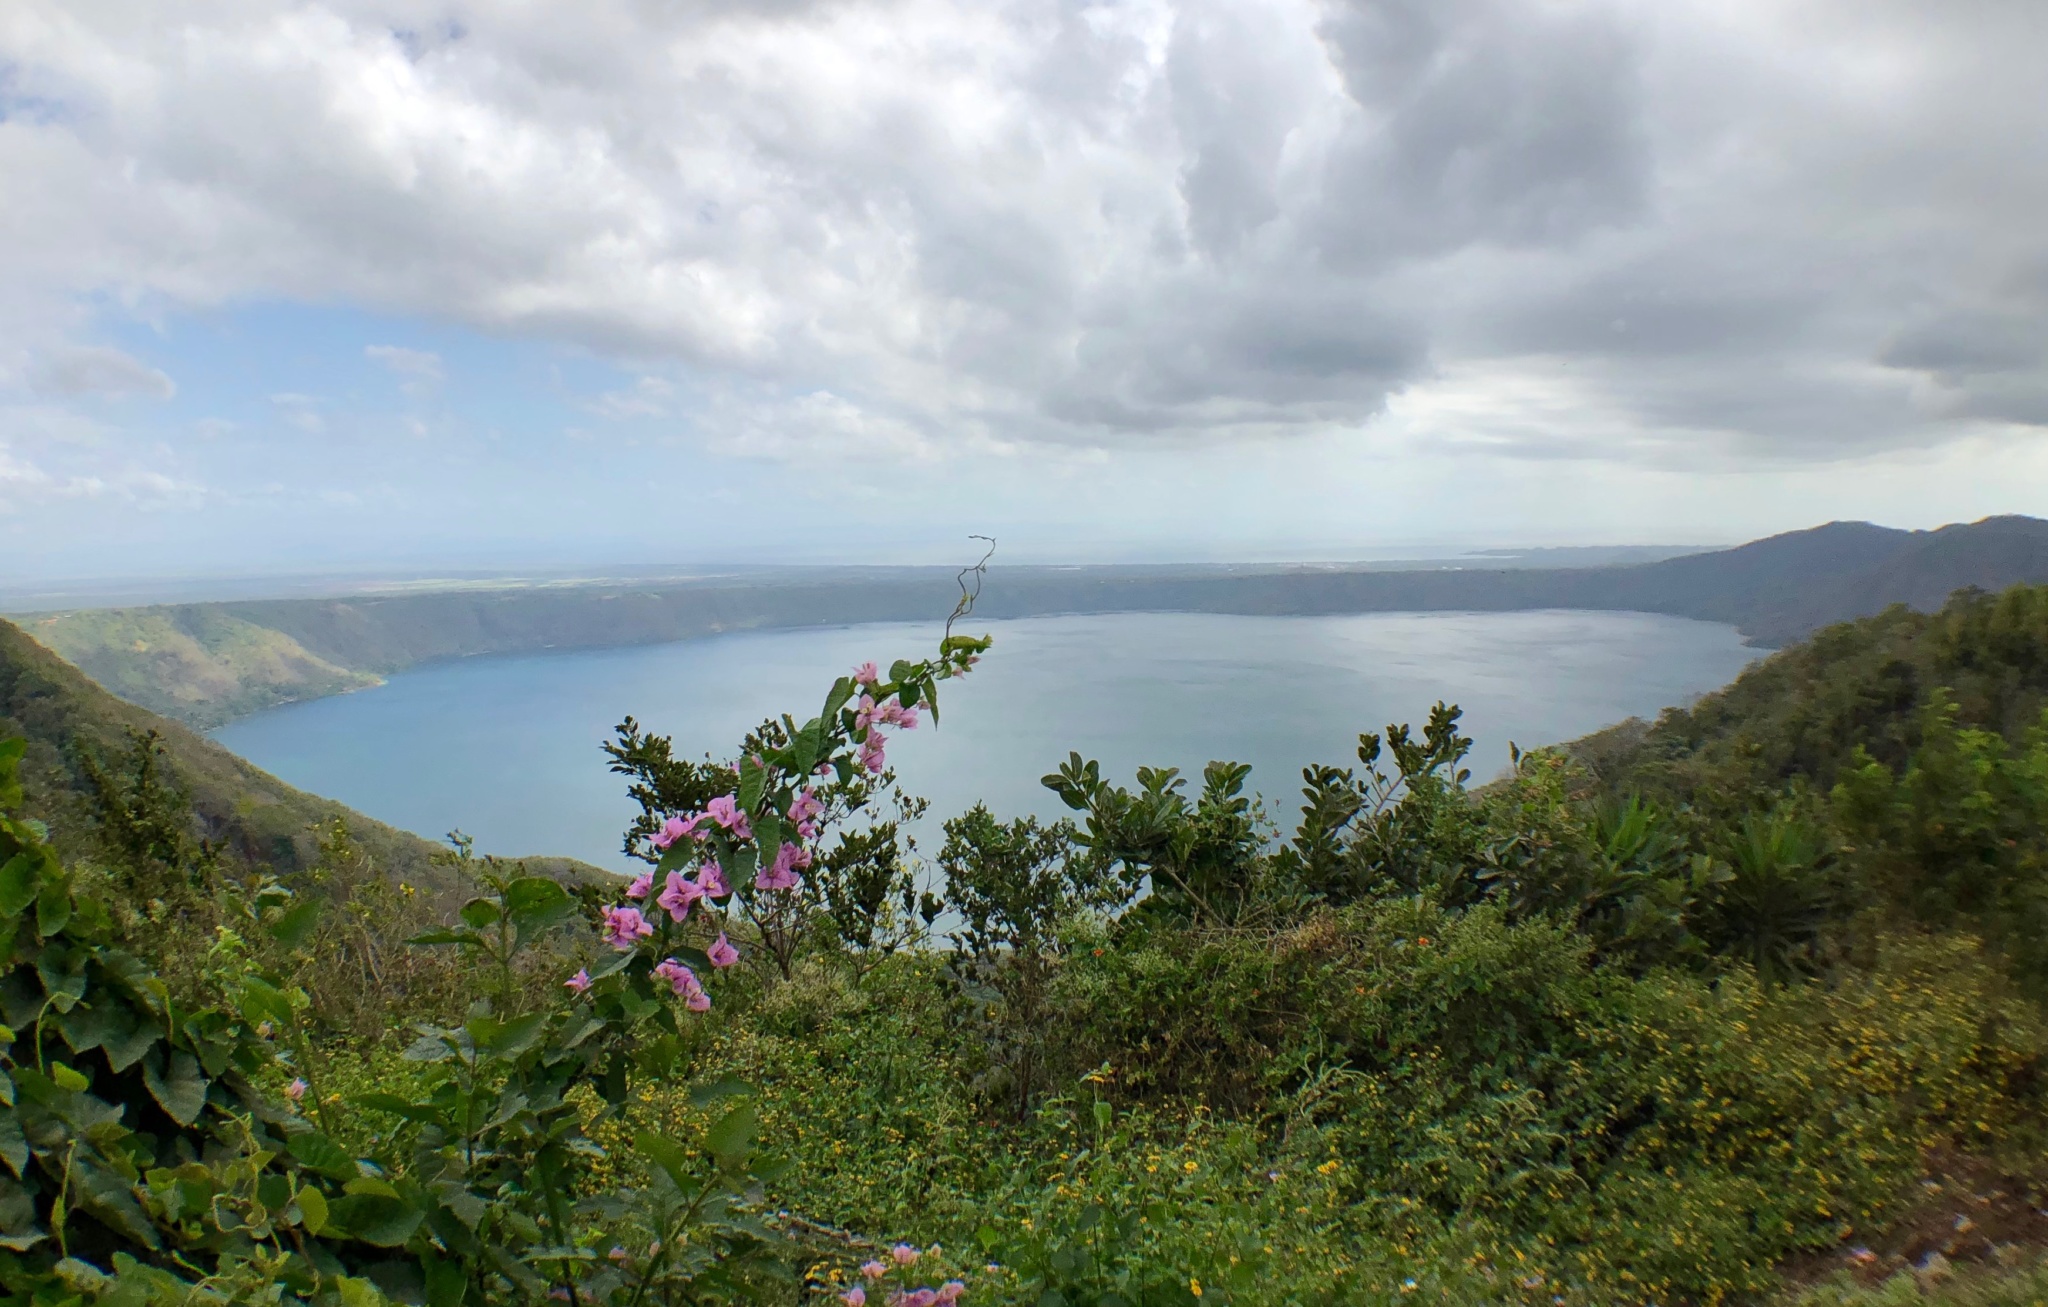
(781, 874)
(915, 1298)
(806, 806)
(624, 927)
(711, 879)
(871, 755)
(873, 1270)
(721, 952)
(678, 894)
(855, 1297)
(642, 886)
(951, 1290)
(578, 983)
(866, 674)
(677, 828)
(296, 1090)
(904, 1254)
(726, 811)
(908, 719)
(684, 982)
(863, 712)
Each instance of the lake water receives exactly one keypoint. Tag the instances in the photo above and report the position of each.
(506, 748)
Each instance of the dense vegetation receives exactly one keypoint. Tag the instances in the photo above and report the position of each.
(1741, 1003)
(207, 663)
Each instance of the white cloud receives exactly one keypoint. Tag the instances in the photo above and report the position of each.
(1737, 228)
(646, 397)
(420, 368)
(81, 370)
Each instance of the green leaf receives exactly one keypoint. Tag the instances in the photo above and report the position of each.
(753, 779)
(840, 695)
(728, 1139)
(726, 1086)
(534, 894)
(183, 1092)
(481, 914)
(902, 670)
(373, 1218)
(18, 884)
(13, 1144)
(263, 1001)
(358, 1292)
(312, 1209)
(507, 1038)
(446, 1281)
(68, 1079)
(666, 1153)
(428, 1048)
(292, 928)
(127, 1040)
(317, 1152)
(53, 908)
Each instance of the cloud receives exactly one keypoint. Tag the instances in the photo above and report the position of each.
(415, 365)
(301, 411)
(646, 397)
(83, 370)
(1721, 229)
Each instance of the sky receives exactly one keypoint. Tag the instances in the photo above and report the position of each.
(435, 283)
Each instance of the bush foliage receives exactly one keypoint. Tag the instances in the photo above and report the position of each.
(1643, 1025)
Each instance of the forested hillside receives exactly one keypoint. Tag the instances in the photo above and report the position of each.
(89, 753)
(205, 664)
(1741, 1005)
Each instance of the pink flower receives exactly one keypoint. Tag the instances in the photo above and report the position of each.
(866, 674)
(684, 982)
(904, 1254)
(624, 927)
(642, 886)
(296, 1090)
(871, 752)
(619, 1255)
(781, 874)
(578, 983)
(676, 828)
(916, 1298)
(677, 896)
(711, 879)
(806, 807)
(726, 811)
(951, 1290)
(863, 712)
(908, 719)
(873, 1270)
(721, 952)
(854, 1297)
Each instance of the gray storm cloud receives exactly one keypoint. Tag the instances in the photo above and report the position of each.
(1795, 231)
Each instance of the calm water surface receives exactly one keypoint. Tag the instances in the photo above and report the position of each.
(506, 748)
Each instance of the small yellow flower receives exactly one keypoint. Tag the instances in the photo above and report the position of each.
(1190, 1167)
(1195, 1287)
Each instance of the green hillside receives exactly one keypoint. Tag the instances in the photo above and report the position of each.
(252, 817)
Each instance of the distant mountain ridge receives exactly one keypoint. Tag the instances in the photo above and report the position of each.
(208, 663)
